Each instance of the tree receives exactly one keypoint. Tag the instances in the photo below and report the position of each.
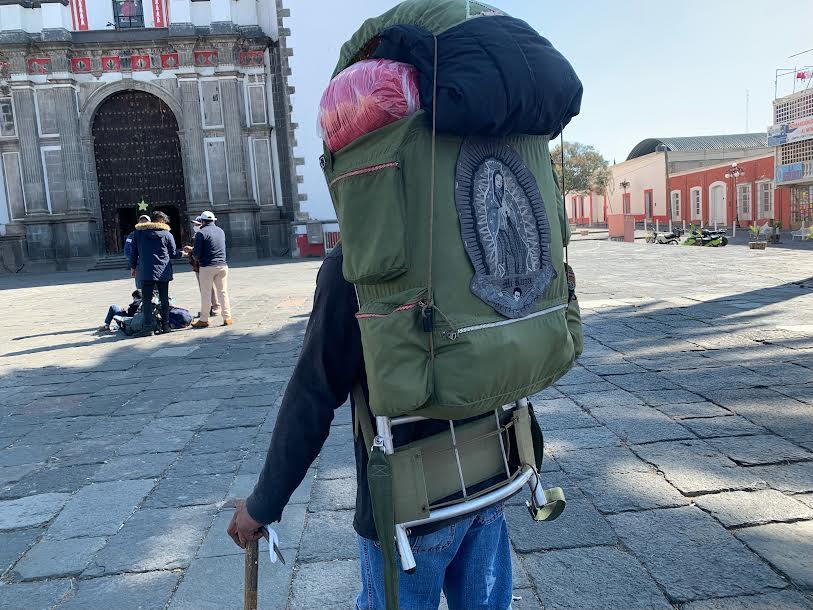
(585, 169)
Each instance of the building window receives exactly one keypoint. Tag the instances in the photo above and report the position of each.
(45, 105)
(648, 211)
(256, 105)
(625, 202)
(212, 110)
(128, 14)
(263, 175)
(7, 126)
(801, 204)
(675, 205)
(744, 201)
(696, 198)
(765, 199)
(217, 170)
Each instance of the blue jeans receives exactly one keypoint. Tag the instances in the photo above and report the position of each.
(114, 310)
(469, 560)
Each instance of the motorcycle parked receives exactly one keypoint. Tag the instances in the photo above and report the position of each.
(712, 238)
(672, 237)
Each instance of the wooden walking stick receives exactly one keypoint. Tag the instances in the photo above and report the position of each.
(251, 568)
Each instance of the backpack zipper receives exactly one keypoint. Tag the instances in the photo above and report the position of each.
(400, 308)
(454, 333)
(364, 170)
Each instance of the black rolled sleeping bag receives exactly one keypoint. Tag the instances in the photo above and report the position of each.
(496, 77)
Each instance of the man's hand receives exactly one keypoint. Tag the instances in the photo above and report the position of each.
(132, 272)
(187, 249)
(243, 528)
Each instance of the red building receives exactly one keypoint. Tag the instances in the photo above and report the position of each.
(712, 195)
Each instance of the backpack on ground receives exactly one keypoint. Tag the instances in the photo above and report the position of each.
(136, 326)
(455, 243)
(179, 317)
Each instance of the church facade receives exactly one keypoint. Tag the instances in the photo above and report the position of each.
(109, 108)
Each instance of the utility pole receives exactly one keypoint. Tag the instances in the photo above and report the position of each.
(665, 150)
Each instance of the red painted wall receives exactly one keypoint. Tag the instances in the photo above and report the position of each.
(755, 170)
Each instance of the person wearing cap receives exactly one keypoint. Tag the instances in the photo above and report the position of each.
(195, 264)
(210, 252)
(128, 244)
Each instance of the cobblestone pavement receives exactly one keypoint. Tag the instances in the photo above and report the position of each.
(684, 441)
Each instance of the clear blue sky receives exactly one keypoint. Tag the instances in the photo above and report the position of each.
(650, 68)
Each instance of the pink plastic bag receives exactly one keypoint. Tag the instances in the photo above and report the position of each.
(367, 95)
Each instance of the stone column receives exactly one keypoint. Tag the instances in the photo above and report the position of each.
(233, 126)
(68, 122)
(195, 160)
(33, 176)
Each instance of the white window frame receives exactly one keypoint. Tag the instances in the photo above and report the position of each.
(254, 174)
(261, 86)
(13, 116)
(742, 213)
(43, 150)
(5, 182)
(37, 113)
(208, 173)
(200, 101)
(675, 209)
(275, 166)
(769, 186)
(694, 212)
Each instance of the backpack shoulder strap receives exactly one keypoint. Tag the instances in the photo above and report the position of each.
(362, 422)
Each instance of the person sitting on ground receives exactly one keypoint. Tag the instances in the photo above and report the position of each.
(115, 310)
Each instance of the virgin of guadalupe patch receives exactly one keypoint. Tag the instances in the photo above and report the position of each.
(504, 226)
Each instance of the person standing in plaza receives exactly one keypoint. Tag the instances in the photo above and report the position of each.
(210, 252)
(195, 264)
(151, 254)
(128, 244)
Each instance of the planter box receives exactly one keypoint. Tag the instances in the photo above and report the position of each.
(757, 245)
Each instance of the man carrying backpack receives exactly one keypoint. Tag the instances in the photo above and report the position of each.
(468, 559)
(210, 252)
(151, 252)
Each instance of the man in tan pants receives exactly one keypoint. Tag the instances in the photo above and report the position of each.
(210, 251)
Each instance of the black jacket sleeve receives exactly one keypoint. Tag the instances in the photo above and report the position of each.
(329, 364)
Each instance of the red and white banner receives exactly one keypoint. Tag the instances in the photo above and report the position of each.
(159, 13)
(79, 15)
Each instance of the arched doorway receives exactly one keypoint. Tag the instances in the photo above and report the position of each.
(717, 203)
(138, 158)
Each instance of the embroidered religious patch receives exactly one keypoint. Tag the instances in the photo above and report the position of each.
(504, 226)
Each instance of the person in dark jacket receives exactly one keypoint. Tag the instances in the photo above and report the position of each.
(115, 310)
(128, 244)
(210, 253)
(195, 264)
(469, 559)
(151, 254)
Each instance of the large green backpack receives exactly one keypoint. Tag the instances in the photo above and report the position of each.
(461, 356)
(456, 249)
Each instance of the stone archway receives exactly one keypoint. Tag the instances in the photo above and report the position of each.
(87, 114)
(137, 157)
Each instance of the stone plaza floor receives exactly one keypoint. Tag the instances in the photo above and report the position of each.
(683, 440)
